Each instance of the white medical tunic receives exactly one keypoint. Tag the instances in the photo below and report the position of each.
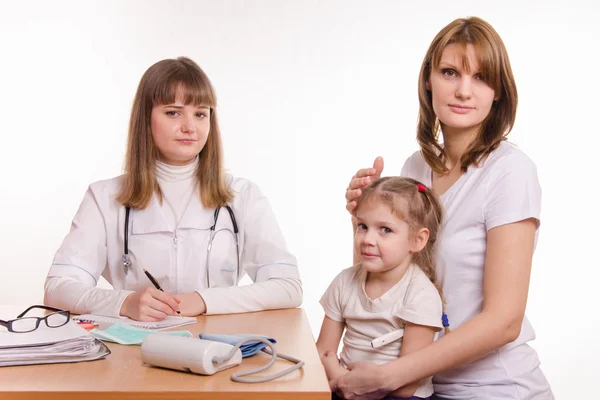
(173, 246)
(502, 189)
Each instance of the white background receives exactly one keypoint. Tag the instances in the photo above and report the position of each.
(309, 92)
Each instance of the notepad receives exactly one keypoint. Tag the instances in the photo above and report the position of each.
(168, 322)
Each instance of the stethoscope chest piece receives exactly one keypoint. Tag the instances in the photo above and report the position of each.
(126, 263)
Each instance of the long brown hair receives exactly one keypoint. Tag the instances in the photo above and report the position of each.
(496, 71)
(421, 208)
(159, 85)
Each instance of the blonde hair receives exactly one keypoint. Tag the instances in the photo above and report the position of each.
(421, 209)
(496, 71)
(160, 85)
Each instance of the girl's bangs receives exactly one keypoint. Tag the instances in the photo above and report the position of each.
(193, 90)
(394, 201)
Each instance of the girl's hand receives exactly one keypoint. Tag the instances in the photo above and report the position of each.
(364, 381)
(149, 305)
(333, 368)
(330, 361)
(363, 178)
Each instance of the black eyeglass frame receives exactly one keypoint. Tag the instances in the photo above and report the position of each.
(8, 324)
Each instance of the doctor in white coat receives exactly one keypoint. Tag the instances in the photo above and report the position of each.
(176, 214)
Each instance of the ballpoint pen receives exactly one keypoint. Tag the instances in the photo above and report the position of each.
(156, 285)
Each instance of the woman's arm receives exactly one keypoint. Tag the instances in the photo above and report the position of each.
(264, 257)
(70, 294)
(147, 304)
(329, 336)
(506, 284)
(416, 337)
(272, 294)
(79, 263)
(327, 345)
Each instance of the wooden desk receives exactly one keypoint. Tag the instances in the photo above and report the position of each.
(122, 375)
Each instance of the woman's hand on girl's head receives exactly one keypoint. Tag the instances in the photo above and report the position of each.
(364, 381)
(150, 305)
(363, 178)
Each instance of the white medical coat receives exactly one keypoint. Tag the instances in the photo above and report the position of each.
(175, 257)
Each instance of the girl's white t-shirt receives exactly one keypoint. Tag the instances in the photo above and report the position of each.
(413, 298)
(504, 188)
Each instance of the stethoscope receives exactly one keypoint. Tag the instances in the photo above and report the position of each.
(127, 264)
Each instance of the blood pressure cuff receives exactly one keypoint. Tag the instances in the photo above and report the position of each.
(248, 349)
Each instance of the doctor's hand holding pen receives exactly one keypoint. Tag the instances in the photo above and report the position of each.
(149, 305)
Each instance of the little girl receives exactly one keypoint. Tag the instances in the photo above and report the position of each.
(389, 303)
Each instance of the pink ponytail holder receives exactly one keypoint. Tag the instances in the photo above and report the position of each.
(421, 188)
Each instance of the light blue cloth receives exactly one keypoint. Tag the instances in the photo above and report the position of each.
(125, 334)
(248, 349)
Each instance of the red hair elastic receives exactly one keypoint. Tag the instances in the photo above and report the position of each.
(421, 188)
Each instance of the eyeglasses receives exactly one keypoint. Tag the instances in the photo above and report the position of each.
(29, 324)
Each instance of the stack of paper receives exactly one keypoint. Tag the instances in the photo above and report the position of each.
(68, 343)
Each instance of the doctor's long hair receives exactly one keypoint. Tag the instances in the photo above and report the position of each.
(414, 203)
(496, 72)
(159, 85)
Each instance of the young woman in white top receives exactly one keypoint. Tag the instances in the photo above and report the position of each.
(176, 214)
(492, 199)
(387, 305)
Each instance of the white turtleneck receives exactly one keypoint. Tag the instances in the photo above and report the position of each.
(178, 185)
